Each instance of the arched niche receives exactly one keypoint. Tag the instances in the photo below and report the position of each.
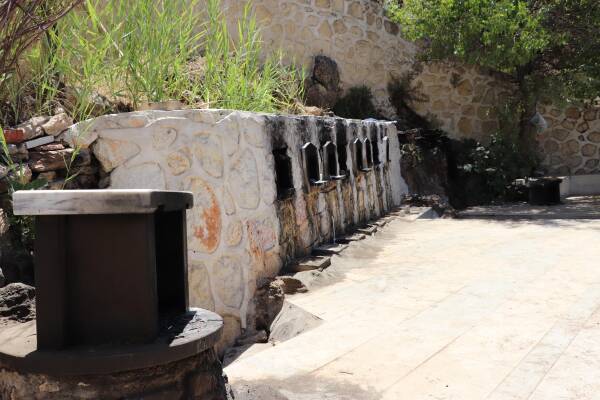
(359, 162)
(330, 161)
(386, 148)
(376, 158)
(283, 173)
(310, 157)
(368, 153)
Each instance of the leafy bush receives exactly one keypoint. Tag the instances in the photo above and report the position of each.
(357, 103)
(484, 174)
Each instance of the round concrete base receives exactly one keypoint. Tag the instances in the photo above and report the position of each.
(180, 364)
(180, 337)
(198, 377)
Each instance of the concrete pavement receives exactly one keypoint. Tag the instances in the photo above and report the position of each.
(446, 309)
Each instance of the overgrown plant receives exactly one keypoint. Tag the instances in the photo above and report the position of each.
(17, 180)
(27, 78)
(234, 76)
(118, 54)
(22, 23)
(135, 52)
(357, 103)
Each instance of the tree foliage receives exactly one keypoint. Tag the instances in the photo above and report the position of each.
(545, 44)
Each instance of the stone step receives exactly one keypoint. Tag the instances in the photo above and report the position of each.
(329, 249)
(352, 238)
(368, 230)
(381, 223)
(309, 264)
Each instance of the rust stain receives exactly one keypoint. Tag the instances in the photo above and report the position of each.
(206, 219)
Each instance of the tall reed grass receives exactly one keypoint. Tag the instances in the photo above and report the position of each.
(133, 52)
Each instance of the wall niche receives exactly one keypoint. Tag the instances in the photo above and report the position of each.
(283, 174)
(310, 158)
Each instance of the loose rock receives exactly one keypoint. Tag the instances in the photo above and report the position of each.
(33, 127)
(17, 302)
(292, 285)
(57, 124)
(269, 300)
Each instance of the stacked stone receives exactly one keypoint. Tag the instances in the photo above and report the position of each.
(42, 152)
(571, 144)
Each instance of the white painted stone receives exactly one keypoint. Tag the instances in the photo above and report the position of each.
(163, 138)
(133, 120)
(141, 176)
(243, 181)
(228, 202)
(178, 163)
(231, 136)
(204, 221)
(262, 233)
(81, 135)
(228, 281)
(252, 127)
(234, 232)
(113, 153)
(199, 286)
(209, 154)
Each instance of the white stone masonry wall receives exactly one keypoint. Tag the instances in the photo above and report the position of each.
(225, 159)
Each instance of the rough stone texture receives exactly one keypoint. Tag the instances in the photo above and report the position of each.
(269, 302)
(57, 124)
(198, 377)
(464, 101)
(354, 34)
(570, 144)
(237, 233)
(17, 302)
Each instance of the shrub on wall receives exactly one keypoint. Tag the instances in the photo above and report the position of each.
(357, 103)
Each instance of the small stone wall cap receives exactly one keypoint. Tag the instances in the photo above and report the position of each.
(97, 202)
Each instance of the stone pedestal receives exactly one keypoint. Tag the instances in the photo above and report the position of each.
(112, 318)
(197, 377)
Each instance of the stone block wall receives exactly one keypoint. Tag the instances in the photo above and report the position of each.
(356, 34)
(462, 100)
(570, 145)
(241, 229)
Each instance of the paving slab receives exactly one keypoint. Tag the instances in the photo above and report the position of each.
(572, 208)
(351, 238)
(309, 264)
(447, 309)
(368, 230)
(329, 249)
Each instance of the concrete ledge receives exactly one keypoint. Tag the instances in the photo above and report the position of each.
(580, 185)
(70, 202)
(572, 208)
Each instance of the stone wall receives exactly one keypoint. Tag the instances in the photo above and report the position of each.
(463, 101)
(243, 227)
(355, 33)
(570, 145)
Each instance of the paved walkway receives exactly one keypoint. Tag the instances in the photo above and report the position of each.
(447, 309)
(587, 207)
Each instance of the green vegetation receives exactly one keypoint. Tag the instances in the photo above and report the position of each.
(357, 103)
(116, 55)
(235, 78)
(17, 180)
(545, 46)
